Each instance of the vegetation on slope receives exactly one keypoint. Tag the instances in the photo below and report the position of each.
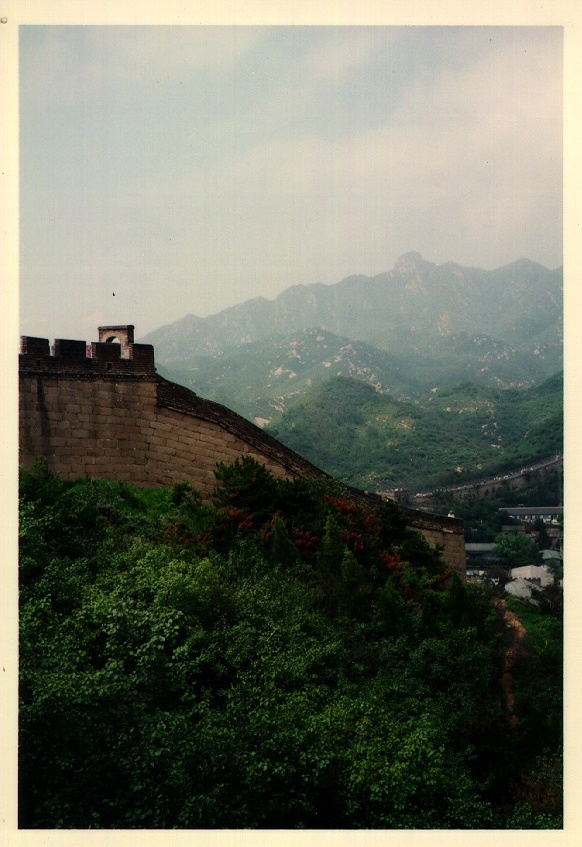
(405, 332)
(260, 379)
(373, 441)
(285, 658)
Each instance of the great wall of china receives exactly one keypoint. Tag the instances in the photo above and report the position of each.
(102, 410)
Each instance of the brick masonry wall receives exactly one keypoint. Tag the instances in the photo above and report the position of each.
(142, 429)
(453, 543)
(117, 430)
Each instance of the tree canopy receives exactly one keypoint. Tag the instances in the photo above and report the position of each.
(284, 658)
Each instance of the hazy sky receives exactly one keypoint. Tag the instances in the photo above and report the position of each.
(187, 169)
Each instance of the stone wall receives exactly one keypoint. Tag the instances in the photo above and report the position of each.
(123, 429)
(447, 533)
(110, 415)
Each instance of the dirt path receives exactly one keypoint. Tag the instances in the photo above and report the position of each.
(516, 632)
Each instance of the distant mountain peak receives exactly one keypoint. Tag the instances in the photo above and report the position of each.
(433, 316)
(411, 261)
(524, 264)
(411, 256)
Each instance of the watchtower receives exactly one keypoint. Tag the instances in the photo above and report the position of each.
(121, 334)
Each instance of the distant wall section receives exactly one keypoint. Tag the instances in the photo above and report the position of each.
(445, 532)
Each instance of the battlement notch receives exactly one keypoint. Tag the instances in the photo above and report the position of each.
(115, 351)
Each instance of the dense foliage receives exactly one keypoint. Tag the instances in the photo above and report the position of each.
(373, 440)
(287, 657)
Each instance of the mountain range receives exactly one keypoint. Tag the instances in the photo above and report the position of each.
(405, 332)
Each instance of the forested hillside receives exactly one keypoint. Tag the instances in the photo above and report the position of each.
(284, 658)
(463, 432)
(261, 379)
(445, 355)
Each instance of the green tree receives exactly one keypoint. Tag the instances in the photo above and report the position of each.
(281, 548)
(516, 550)
(542, 538)
(246, 484)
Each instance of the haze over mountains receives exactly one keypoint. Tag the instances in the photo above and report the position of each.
(405, 332)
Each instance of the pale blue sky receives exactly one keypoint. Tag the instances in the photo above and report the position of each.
(187, 169)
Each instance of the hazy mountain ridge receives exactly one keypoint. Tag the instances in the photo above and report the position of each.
(404, 332)
(408, 306)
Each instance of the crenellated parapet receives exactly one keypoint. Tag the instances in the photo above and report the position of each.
(117, 354)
